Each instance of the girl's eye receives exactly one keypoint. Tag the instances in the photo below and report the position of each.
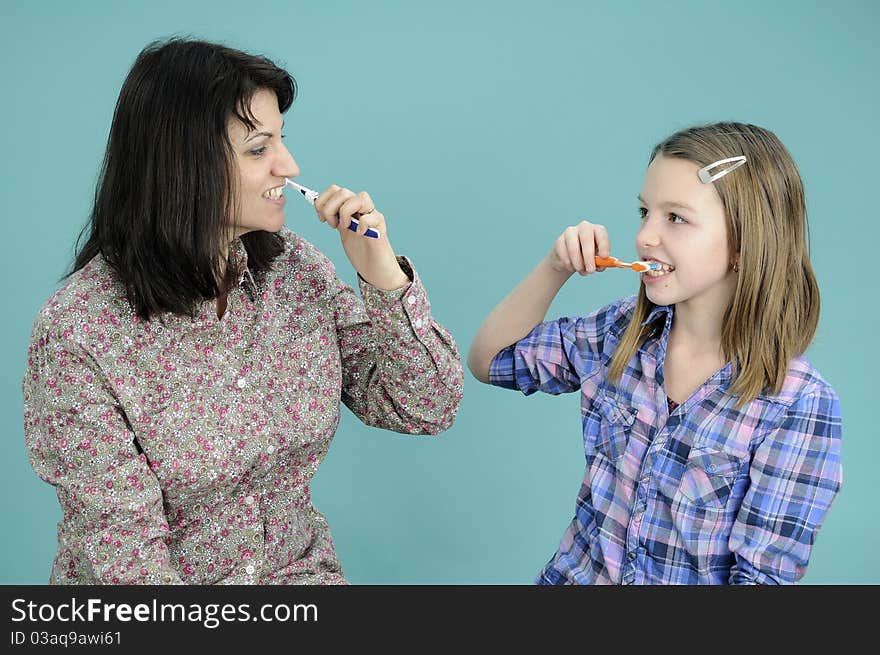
(675, 218)
(643, 212)
(258, 151)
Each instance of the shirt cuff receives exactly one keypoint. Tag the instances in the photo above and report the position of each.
(502, 369)
(392, 294)
(412, 298)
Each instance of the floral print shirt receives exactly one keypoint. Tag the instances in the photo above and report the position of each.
(182, 448)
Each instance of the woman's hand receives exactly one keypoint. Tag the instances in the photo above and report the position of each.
(373, 259)
(576, 248)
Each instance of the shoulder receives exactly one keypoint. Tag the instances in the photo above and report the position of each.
(299, 253)
(89, 299)
(611, 319)
(303, 269)
(804, 385)
(618, 314)
(589, 332)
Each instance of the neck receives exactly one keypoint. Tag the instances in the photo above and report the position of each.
(224, 261)
(697, 324)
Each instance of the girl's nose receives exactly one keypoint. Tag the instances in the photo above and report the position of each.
(648, 234)
(647, 237)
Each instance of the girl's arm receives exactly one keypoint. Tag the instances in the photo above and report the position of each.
(794, 476)
(525, 306)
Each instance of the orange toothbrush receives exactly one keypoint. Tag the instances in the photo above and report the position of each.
(640, 267)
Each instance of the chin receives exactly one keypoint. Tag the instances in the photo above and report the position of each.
(659, 296)
(267, 226)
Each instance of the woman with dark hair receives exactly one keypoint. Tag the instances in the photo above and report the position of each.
(183, 385)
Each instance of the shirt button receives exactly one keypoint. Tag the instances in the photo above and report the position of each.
(249, 500)
(241, 383)
(411, 300)
(270, 449)
(249, 569)
(418, 323)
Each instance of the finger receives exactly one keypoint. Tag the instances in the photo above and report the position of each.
(573, 249)
(373, 220)
(586, 236)
(561, 252)
(332, 210)
(367, 205)
(603, 242)
(323, 200)
(325, 196)
(353, 205)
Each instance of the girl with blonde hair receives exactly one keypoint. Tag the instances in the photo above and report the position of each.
(712, 444)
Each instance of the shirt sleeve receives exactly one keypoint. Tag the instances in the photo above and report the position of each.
(795, 475)
(401, 369)
(78, 440)
(557, 356)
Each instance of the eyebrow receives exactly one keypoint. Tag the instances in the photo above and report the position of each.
(680, 205)
(268, 134)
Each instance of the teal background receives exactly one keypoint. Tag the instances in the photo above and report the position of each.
(481, 129)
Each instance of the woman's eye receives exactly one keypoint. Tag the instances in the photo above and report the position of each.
(258, 151)
(643, 212)
(675, 218)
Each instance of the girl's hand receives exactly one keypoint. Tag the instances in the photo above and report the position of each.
(373, 259)
(576, 248)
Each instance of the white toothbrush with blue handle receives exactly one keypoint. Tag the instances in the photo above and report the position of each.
(311, 195)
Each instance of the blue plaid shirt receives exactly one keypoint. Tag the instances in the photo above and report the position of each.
(708, 494)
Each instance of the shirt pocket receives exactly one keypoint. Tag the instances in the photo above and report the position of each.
(708, 478)
(615, 421)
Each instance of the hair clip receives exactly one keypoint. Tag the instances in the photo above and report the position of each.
(706, 177)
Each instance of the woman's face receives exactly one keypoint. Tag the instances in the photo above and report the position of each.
(263, 163)
(683, 225)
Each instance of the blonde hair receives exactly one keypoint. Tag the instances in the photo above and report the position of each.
(775, 308)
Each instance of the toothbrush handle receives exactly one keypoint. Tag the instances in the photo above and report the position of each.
(609, 262)
(312, 196)
(353, 226)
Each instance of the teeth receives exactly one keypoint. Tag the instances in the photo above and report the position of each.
(273, 194)
(664, 269)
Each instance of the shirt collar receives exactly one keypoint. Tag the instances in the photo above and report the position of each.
(723, 375)
(238, 257)
(657, 311)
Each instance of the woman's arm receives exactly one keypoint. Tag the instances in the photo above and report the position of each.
(114, 527)
(401, 369)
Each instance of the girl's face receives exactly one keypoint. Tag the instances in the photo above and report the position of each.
(263, 163)
(683, 225)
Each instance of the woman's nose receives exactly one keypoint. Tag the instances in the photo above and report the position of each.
(286, 165)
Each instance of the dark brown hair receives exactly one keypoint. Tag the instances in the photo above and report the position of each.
(166, 196)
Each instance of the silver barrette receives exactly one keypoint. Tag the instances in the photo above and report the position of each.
(706, 177)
